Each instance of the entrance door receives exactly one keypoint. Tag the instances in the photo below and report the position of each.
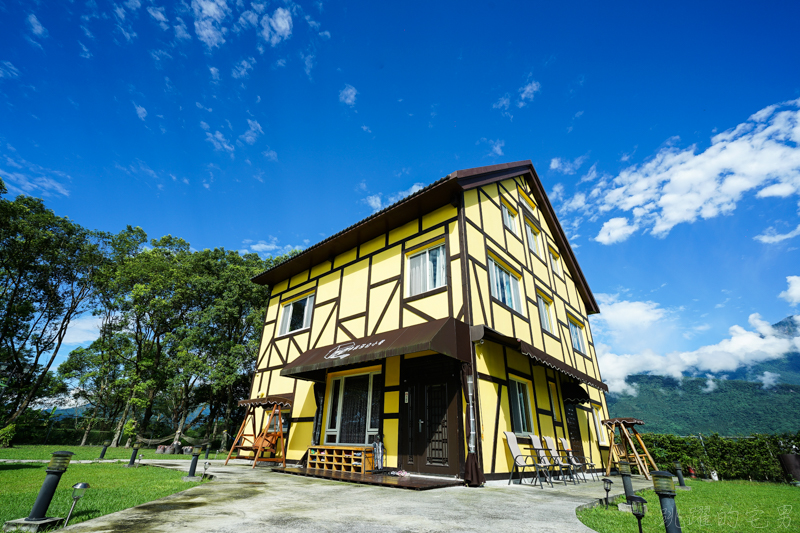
(430, 441)
(574, 429)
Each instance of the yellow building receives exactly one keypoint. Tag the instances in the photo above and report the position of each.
(456, 314)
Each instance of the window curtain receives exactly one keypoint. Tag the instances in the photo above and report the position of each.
(436, 265)
(417, 278)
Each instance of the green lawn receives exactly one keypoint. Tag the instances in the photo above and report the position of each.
(89, 452)
(113, 488)
(711, 507)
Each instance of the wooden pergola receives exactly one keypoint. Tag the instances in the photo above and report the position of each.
(626, 449)
(266, 439)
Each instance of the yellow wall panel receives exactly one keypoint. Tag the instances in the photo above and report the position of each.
(280, 384)
(328, 334)
(302, 341)
(378, 298)
(488, 403)
(475, 244)
(411, 319)
(356, 326)
(272, 310)
(386, 264)
(328, 287)
(288, 295)
(342, 259)
(280, 287)
(502, 320)
(354, 289)
(372, 246)
(422, 237)
(321, 315)
(440, 215)
(483, 282)
(491, 190)
(515, 247)
(454, 240)
(492, 220)
(553, 347)
(456, 288)
(391, 402)
(518, 362)
(403, 232)
(503, 460)
(540, 270)
(302, 277)
(390, 441)
(477, 312)
(392, 378)
(299, 440)
(436, 306)
(391, 320)
(471, 209)
(321, 269)
(522, 329)
(304, 404)
(283, 346)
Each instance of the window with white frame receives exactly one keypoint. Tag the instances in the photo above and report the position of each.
(533, 237)
(354, 409)
(599, 429)
(505, 286)
(519, 398)
(509, 218)
(555, 261)
(426, 270)
(545, 313)
(576, 332)
(297, 314)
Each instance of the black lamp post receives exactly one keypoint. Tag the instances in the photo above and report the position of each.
(78, 490)
(208, 449)
(665, 488)
(679, 472)
(106, 444)
(638, 508)
(624, 468)
(38, 518)
(607, 486)
(196, 450)
(132, 462)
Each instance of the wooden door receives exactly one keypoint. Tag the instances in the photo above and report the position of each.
(574, 429)
(430, 442)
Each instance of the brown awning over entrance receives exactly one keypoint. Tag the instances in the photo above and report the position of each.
(446, 336)
(484, 332)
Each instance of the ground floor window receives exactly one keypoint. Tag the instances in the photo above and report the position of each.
(555, 405)
(354, 409)
(519, 398)
(597, 413)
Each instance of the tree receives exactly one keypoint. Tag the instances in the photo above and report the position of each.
(47, 272)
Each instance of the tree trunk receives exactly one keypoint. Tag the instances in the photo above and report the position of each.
(89, 426)
(148, 411)
(121, 423)
(228, 409)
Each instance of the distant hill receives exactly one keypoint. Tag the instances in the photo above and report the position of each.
(739, 405)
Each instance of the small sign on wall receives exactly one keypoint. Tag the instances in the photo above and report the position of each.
(406, 396)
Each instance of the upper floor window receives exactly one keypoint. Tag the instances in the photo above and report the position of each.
(505, 286)
(545, 313)
(533, 237)
(576, 332)
(297, 314)
(426, 270)
(509, 218)
(555, 261)
(521, 420)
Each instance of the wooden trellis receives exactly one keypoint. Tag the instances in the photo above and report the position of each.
(626, 449)
(270, 438)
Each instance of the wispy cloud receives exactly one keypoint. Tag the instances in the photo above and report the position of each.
(242, 68)
(348, 95)
(36, 27)
(565, 166)
(8, 71)
(270, 154)
(503, 103)
(251, 135)
(158, 15)
(220, 143)
(526, 93)
(496, 146)
(208, 18)
(768, 379)
(24, 177)
(366, 128)
(771, 236)
(278, 27)
(615, 230)
(270, 247)
(141, 112)
(376, 202)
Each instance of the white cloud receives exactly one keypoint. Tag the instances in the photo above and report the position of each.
(83, 330)
(741, 349)
(158, 15)
(792, 293)
(348, 95)
(771, 236)
(181, 31)
(308, 63)
(32, 179)
(615, 230)
(8, 71)
(769, 379)
(496, 146)
(270, 247)
(503, 104)
(676, 186)
(219, 141)
(711, 384)
(36, 27)
(271, 155)
(85, 53)
(366, 128)
(526, 93)
(278, 27)
(252, 133)
(242, 68)
(565, 166)
(214, 73)
(204, 125)
(140, 111)
(376, 201)
(208, 18)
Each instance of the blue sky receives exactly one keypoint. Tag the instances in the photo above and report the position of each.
(667, 137)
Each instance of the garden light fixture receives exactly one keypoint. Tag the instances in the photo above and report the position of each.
(665, 489)
(38, 518)
(624, 468)
(208, 450)
(132, 462)
(196, 451)
(607, 486)
(78, 490)
(106, 444)
(205, 468)
(638, 508)
(679, 473)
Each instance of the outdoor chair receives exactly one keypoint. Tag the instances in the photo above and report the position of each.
(579, 462)
(560, 461)
(521, 461)
(544, 464)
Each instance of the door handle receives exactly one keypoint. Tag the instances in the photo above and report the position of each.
(420, 425)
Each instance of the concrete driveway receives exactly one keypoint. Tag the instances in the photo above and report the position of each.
(243, 500)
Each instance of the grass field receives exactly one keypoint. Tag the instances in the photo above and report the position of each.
(89, 452)
(711, 507)
(113, 488)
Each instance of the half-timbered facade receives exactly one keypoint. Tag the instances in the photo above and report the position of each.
(456, 314)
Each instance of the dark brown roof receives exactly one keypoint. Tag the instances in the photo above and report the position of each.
(443, 191)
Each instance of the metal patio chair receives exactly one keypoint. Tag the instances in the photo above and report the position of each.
(544, 464)
(561, 461)
(521, 461)
(579, 462)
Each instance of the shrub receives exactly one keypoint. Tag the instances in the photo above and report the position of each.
(6, 434)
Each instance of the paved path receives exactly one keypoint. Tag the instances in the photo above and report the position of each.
(242, 500)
